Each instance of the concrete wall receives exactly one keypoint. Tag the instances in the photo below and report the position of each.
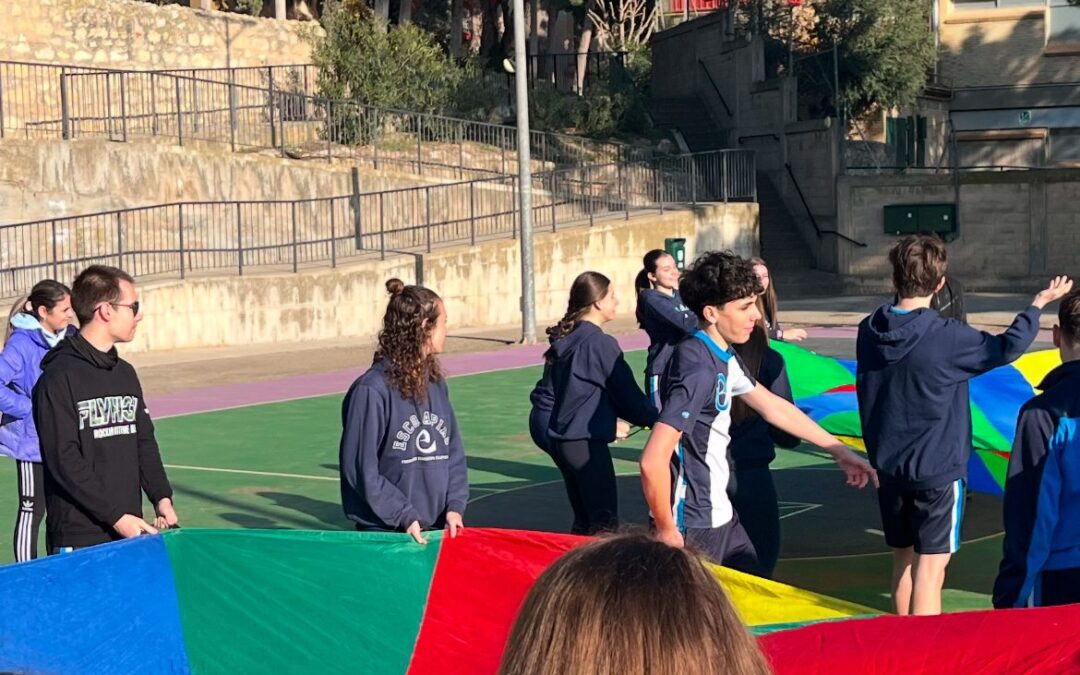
(142, 35)
(1017, 229)
(44, 179)
(1000, 47)
(480, 284)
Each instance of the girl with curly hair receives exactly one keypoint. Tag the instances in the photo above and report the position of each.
(402, 458)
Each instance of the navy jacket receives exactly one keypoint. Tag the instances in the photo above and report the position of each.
(542, 398)
(593, 385)
(666, 320)
(401, 461)
(754, 441)
(1042, 490)
(912, 387)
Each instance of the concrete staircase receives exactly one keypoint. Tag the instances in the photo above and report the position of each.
(791, 263)
(690, 118)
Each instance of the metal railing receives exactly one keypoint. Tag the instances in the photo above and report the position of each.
(180, 239)
(560, 68)
(126, 104)
(810, 213)
(29, 95)
(269, 108)
(30, 102)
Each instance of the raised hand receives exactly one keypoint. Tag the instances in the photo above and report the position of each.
(1059, 287)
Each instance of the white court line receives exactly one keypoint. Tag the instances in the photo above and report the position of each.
(248, 472)
(806, 507)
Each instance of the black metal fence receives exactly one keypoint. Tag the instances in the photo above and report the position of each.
(30, 93)
(124, 104)
(271, 108)
(180, 239)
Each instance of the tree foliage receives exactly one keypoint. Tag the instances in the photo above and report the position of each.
(402, 67)
(886, 49)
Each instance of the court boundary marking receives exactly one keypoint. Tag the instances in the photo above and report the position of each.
(293, 399)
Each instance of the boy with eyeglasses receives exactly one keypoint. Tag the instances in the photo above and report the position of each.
(97, 440)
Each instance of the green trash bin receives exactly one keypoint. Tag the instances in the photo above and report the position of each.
(676, 248)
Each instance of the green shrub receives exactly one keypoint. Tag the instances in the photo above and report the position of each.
(403, 67)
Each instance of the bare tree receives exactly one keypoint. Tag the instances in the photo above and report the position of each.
(623, 25)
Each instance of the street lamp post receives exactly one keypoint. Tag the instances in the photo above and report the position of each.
(521, 86)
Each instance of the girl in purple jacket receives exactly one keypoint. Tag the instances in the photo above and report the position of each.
(37, 325)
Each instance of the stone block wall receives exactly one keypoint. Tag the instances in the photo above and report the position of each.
(143, 36)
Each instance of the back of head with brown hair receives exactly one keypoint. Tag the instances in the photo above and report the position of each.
(94, 285)
(629, 605)
(1069, 318)
(919, 262)
(407, 325)
(588, 289)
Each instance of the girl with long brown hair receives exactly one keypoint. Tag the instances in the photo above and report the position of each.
(629, 605)
(769, 304)
(591, 386)
(402, 458)
(753, 448)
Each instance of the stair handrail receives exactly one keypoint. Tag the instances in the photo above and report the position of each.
(712, 82)
(813, 221)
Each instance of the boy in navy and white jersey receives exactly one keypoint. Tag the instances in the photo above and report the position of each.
(684, 468)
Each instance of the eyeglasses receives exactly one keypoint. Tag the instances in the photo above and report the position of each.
(134, 307)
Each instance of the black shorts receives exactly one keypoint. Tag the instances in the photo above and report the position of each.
(727, 545)
(929, 520)
(1058, 587)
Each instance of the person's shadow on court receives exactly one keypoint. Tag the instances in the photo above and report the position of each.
(327, 513)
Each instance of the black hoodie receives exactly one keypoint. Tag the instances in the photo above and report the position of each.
(912, 386)
(97, 444)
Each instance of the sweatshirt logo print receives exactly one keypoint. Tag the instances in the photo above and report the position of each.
(423, 428)
(108, 415)
(424, 442)
(722, 400)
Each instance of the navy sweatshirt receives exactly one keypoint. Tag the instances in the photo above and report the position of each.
(401, 461)
(754, 441)
(542, 398)
(1042, 490)
(666, 320)
(592, 385)
(912, 387)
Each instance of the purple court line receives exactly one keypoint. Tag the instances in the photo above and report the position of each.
(241, 394)
(224, 397)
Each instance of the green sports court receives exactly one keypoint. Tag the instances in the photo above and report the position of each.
(274, 465)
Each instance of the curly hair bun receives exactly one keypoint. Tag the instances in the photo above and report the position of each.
(395, 286)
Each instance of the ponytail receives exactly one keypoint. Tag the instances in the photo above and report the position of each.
(21, 306)
(588, 288)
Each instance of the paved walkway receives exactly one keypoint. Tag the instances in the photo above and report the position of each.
(188, 381)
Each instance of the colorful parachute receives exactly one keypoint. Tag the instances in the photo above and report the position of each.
(238, 601)
(824, 389)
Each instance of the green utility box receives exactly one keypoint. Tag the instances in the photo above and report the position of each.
(677, 249)
(915, 218)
